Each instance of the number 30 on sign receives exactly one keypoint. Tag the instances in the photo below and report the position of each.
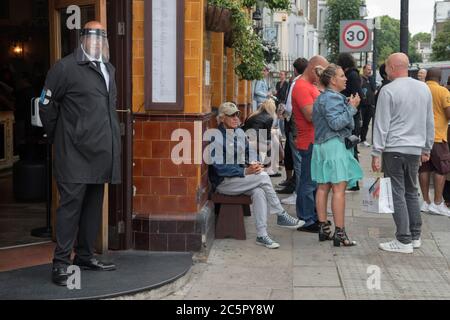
(355, 36)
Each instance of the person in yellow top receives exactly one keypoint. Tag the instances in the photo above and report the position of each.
(440, 156)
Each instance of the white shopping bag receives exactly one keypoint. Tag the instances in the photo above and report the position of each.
(377, 195)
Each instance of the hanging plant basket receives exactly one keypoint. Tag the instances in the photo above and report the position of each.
(217, 19)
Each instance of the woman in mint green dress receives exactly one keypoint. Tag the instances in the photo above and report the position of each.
(333, 166)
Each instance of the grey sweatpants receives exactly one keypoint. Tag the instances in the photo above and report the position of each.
(403, 169)
(264, 198)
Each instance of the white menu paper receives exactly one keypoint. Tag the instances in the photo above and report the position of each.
(164, 51)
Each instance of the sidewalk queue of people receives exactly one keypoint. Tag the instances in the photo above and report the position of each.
(327, 109)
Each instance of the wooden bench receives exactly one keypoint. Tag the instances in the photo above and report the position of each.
(231, 211)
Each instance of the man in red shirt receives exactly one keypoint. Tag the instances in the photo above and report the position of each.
(304, 94)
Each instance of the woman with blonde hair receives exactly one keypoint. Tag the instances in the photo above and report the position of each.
(333, 166)
(264, 119)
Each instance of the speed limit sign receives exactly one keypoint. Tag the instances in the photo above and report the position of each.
(355, 36)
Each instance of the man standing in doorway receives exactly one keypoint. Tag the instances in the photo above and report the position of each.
(404, 135)
(78, 111)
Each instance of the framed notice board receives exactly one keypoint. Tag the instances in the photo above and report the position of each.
(164, 55)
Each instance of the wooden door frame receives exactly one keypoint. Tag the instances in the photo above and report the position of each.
(121, 196)
(54, 21)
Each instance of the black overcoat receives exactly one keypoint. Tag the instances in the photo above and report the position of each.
(80, 118)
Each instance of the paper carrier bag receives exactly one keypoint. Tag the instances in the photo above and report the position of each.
(377, 195)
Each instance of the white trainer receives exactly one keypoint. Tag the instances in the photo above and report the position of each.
(396, 246)
(366, 144)
(425, 207)
(292, 199)
(417, 243)
(439, 209)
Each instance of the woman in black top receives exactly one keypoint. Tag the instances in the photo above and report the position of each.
(263, 119)
(348, 64)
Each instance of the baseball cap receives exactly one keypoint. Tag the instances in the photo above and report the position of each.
(228, 108)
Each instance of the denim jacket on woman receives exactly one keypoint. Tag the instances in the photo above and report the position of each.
(332, 117)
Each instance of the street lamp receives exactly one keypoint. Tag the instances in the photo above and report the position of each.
(362, 15)
(257, 17)
(404, 31)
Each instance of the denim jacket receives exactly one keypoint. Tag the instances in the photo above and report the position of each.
(261, 90)
(235, 154)
(332, 117)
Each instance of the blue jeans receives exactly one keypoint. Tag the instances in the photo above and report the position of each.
(305, 187)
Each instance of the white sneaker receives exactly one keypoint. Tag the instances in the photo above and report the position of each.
(416, 243)
(439, 209)
(366, 144)
(396, 246)
(292, 199)
(425, 207)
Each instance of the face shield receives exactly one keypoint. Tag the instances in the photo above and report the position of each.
(95, 44)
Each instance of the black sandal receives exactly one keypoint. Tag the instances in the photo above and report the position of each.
(340, 238)
(325, 231)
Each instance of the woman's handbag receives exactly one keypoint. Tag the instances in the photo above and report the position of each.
(351, 141)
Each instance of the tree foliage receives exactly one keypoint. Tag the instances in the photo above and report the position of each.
(421, 37)
(338, 10)
(441, 45)
(388, 41)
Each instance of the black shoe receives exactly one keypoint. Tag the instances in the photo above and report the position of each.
(340, 238)
(286, 190)
(313, 228)
(275, 175)
(325, 231)
(287, 183)
(354, 188)
(94, 264)
(60, 275)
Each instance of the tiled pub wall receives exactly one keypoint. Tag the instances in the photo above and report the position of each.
(171, 211)
(168, 197)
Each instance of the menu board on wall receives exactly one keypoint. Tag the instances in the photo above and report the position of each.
(164, 42)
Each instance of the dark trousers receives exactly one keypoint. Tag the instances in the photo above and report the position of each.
(80, 210)
(288, 157)
(367, 113)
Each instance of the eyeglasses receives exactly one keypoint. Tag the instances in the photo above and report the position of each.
(236, 114)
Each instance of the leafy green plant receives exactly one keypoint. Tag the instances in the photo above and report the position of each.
(278, 4)
(271, 4)
(441, 45)
(272, 53)
(338, 10)
(247, 45)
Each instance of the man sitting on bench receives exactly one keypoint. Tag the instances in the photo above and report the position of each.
(230, 176)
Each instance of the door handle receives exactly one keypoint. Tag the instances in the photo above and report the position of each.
(123, 110)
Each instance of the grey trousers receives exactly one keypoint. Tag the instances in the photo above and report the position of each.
(264, 198)
(403, 169)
